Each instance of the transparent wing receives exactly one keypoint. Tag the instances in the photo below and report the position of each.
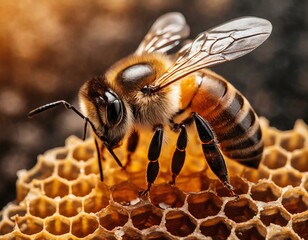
(220, 44)
(165, 33)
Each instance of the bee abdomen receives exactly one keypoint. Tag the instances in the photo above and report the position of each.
(234, 122)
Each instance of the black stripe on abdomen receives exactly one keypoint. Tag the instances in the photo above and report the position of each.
(237, 129)
(235, 124)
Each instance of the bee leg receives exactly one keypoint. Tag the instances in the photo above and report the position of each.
(211, 152)
(131, 146)
(99, 160)
(102, 152)
(153, 155)
(178, 158)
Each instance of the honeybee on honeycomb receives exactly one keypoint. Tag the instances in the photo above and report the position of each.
(150, 91)
(62, 197)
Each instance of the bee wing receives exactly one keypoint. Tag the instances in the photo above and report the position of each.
(165, 33)
(223, 43)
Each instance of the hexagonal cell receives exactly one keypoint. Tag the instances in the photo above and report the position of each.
(283, 235)
(153, 235)
(202, 205)
(165, 196)
(42, 170)
(265, 192)
(274, 215)
(178, 223)
(61, 153)
(83, 153)
(239, 184)
(195, 182)
(240, 210)
(192, 238)
(83, 186)
(254, 175)
(221, 191)
(42, 207)
(146, 216)
(292, 141)
(16, 211)
(6, 227)
(125, 193)
(29, 225)
(70, 207)
(295, 201)
(276, 158)
(131, 234)
(98, 200)
(251, 231)
(22, 190)
(118, 176)
(112, 217)
(91, 166)
(269, 138)
(84, 225)
(299, 160)
(57, 225)
(102, 234)
(43, 236)
(217, 228)
(19, 236)
(284, 178)
(68, 170)
(55, 188)
(300, 225)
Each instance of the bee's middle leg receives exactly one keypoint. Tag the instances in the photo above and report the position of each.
(131, 147)
(179, 154)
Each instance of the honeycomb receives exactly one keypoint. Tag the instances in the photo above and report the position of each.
(61, 197)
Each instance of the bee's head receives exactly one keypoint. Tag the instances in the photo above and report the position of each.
(108, 112)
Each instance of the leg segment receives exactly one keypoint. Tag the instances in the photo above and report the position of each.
(179, 154)
(153, 155)
(211, 152)
(131, 146)
(99, 160)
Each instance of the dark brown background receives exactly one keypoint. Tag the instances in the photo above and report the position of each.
(49, 48)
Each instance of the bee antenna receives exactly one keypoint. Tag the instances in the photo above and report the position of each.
(86, 119)
(67, 106)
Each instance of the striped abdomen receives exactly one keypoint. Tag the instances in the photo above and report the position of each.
(233, 120)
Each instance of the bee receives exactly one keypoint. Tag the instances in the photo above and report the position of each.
(151, 89)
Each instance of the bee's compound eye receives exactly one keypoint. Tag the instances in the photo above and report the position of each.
(114, 112)
(114, 108)
(137, 73)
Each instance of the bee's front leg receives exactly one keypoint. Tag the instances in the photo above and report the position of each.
(153, 155)
(99, 159)
(131, 146)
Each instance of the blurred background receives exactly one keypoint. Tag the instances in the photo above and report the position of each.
(49, 48)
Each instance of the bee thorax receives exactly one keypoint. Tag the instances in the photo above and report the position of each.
(157, 108)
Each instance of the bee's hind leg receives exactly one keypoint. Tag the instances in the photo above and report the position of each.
(211, 152)
(153, 155)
